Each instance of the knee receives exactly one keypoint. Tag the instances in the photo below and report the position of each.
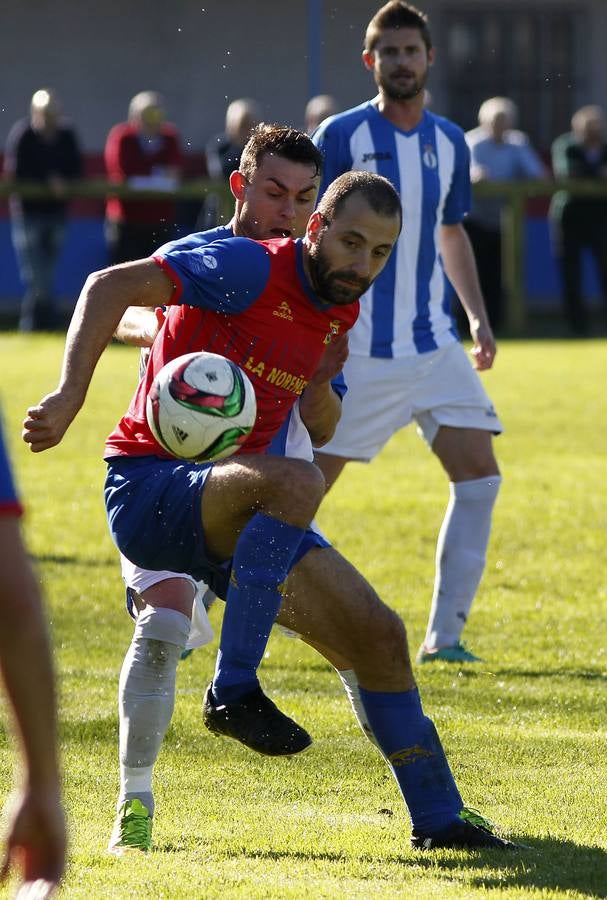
(381, 641)
(390, 637)
(301, 486)
(481, 464)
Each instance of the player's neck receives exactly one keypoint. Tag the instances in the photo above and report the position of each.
(404, 114)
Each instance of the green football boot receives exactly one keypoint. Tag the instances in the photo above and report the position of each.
(132, 832)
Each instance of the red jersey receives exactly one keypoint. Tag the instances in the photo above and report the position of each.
(251, 302)
(127, 157)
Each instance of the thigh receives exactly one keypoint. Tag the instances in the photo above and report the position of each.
(453, 396)
(288, 489)
(153, 509)
(140, 580)
(182, 517)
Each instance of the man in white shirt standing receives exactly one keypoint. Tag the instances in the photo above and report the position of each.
(406, 362)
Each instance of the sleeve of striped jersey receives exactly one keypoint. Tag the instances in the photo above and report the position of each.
(333, 143)
(458, 199)
(226, 276)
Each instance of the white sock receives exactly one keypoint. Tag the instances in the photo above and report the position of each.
(460, 557)
(350, 683)
(146, 697)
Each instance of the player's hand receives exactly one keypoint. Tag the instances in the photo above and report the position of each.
(46, 423)
(332, 360)
(36, 842)
(484, 349)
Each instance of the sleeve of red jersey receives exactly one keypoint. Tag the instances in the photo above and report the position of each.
(227, 276)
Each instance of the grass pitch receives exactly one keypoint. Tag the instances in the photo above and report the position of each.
(525, 731)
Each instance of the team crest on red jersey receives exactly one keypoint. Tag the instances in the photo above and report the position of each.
(283, 311)
(334, 326)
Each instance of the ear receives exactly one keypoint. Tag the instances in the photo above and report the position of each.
(431, 56)
(368, 59)
(238, 185)
(315, 225)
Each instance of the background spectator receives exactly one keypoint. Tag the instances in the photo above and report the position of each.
(144, 152)
(318, 109)
(498, 152)
(41, 148)
(580, 222)
(223, 153)
(224, 150)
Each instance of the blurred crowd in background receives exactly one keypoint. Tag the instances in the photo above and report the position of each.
(146, 152)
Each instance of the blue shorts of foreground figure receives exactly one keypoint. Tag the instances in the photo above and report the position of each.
(153, 509)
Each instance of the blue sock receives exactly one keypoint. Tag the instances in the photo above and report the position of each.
(262, 561)
(410, 743)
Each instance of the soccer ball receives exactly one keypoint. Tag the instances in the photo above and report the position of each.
(201, 407)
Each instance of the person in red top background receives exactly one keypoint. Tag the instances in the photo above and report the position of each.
(145, 153)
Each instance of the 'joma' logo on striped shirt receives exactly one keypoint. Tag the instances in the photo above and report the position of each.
(378, 156)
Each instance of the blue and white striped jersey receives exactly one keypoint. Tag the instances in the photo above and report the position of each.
(407, 310)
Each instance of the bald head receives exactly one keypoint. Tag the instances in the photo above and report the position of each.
(45, 110)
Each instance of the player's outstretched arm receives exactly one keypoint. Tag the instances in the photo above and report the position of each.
(320, 407)
(36, 828)
(102, 303)
(460, 266)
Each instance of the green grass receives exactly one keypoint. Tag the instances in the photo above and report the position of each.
(525, 731)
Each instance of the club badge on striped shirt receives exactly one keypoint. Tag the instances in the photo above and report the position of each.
(429, 156)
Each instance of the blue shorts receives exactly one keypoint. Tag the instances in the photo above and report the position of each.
(154, 514)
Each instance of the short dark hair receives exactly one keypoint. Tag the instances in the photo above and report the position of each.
(397, 14)
(376, 190)
(279, 140)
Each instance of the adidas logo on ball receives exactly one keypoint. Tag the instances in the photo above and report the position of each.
(201, 407)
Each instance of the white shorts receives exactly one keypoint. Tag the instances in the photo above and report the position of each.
(385, 395)
(139, 580)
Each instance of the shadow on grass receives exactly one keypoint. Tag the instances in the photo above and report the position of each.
(65, 559)
(584, 674)
(547, 674)
(546, 864)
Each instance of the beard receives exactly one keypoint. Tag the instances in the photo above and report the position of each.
(395, 92)
(327, 282)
